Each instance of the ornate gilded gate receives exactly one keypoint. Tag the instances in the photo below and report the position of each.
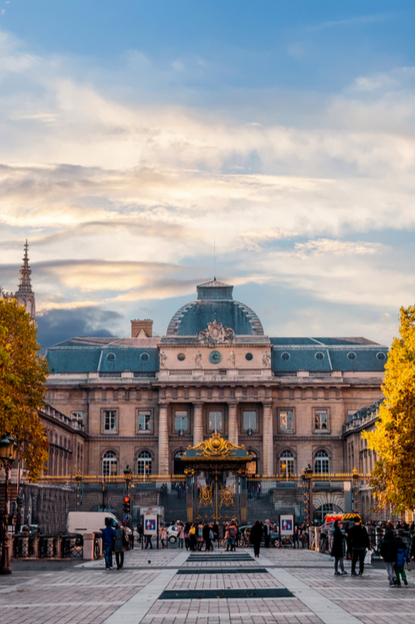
(216, 482)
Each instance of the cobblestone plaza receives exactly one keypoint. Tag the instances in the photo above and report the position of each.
(172, 586)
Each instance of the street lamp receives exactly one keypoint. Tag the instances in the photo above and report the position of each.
(307, 479)
(128, 478)
(8, 453)
(355, 476)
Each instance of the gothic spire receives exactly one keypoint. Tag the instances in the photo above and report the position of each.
(24, 294)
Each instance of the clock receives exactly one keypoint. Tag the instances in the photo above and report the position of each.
(215, 357)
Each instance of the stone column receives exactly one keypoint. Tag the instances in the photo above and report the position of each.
(163, 440)
(268, 463)
(198, 424)
(232, 424)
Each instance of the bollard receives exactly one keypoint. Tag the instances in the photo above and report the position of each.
(88, 551)
(25, 546)
(49, 547)
(36, 547)
(58, 547)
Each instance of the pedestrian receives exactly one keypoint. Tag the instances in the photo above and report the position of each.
(401, 559)
(181, 534)
(108, 535)
(266, 532)
(192, 537)
(360, 542)
(296, 537)
(207, 540)
(338, 549)
(119, 545)
(140, 533)
(163, 535)
(232, 536)
(388, 550)
(148, 541)
(256, 534)
(200, 535)
(186, 535)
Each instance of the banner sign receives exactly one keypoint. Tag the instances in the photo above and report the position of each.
(150, 524)
(286, 524)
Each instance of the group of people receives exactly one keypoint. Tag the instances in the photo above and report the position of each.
(395, 553)
(116, 539)
(356, 541)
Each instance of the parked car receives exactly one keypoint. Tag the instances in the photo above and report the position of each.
(173, 532)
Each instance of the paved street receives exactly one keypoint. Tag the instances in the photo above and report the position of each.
(171, 586)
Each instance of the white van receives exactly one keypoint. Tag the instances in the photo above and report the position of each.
(88, 522)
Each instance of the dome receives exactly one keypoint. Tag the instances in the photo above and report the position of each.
(214, 303)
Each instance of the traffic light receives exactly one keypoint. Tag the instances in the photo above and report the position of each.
(126, 504)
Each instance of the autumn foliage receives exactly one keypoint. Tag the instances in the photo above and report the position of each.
(22, 379)
(393, 439)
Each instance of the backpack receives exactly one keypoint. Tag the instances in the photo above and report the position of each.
(232, 532)
(192, 531)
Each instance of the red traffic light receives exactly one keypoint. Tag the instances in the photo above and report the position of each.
(126, 499)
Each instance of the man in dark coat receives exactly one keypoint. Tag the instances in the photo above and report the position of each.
(256, 534)
(360, 542)
(388, 550)
(108, 535)
(338, 549)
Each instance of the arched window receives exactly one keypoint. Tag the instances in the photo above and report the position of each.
(321, 462)
(109, 464)
(144, 463)
(286, 463)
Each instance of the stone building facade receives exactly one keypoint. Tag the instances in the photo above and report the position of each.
(144, 399)
(140, 401)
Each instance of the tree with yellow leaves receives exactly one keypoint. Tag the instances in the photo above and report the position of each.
(393, 438)
(22, 379)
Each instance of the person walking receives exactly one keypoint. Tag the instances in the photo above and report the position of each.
(108, 535)
(181, 534)
(401, 558)
(205, 534)
(192, 537)
(360, 542)
(388, 550)
(119, 544)
(163, 535)
(338, 549)
(232, 536)
(256, 534)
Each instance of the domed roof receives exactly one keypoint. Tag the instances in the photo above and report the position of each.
(214, 303)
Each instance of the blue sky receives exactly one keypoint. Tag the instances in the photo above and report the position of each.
(135, 135)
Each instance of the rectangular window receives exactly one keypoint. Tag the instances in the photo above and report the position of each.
(144, 421)
(181, 422)
(287, 420)
(215, 421)
(321, 420)
(110, 421)
(250, 421)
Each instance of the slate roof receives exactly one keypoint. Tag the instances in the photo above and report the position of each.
(84, 358)
(326, 357)
(215, 302)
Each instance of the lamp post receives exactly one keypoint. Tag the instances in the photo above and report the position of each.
(8, 453)
(128, 478)
(103, 493)
(307, 480)
(355, 476)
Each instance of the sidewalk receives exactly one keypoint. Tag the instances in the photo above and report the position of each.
(170, 586)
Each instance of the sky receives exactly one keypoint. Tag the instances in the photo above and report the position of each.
(147, 145)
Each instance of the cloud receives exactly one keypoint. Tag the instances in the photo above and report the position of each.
(123, 198)
(55, 326)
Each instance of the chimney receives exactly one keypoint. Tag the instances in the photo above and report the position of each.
(141, 328)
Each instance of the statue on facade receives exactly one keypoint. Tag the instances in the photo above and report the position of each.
(266, 359)
(198, 360)
(163, 357)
